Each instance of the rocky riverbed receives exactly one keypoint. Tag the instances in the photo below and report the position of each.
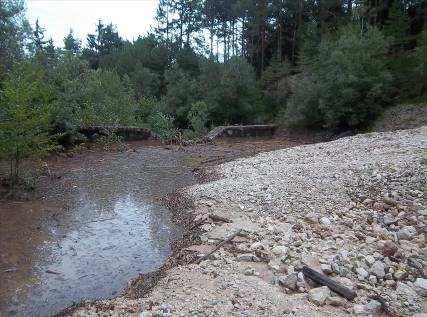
(353, 209)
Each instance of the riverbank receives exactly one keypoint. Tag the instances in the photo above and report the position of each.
(353, 209)
(93, 207)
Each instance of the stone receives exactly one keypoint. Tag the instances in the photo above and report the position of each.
(369, 260)
(345, 281)
(248, 257)
(249, 271)
(335, 301)
(326, 268)
(362, 274)
(371, 308)
(422, 212)
(389, 219)
(146, 314)
(311, 217)
(389, 200)
(407, 233)
(405, 290)
(420, 286)
(280, 250)
(289, 281)
(325, 221)
(373, 279)
(378, 269)
(319, 295)
(400, 275)
(389, 248)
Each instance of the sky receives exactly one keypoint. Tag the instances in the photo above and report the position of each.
(132, 17)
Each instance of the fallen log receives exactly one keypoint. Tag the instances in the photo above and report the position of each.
(218, 246)
(326, 281)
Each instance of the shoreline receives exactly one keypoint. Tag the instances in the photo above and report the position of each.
(259, 272)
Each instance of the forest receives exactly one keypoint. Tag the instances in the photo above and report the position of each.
(315, 64)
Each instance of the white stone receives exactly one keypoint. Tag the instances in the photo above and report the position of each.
(362, 274)
(420, 286)
(312, 217)
(280, 250)
(407, 233)
(319, 295)
(378, 269)
(325, 221)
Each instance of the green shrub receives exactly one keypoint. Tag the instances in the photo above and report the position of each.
(346, 85)
(25, 110)
(198, 117)
(163, 125)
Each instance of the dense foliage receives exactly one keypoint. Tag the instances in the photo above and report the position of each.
(323, 64)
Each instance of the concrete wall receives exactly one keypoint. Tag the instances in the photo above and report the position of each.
(241, 131)
(128, 133)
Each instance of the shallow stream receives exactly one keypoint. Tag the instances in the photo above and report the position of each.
(99, 226)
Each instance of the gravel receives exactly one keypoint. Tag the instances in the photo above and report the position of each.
(327, 201)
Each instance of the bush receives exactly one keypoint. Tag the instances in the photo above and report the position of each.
(198, 117)
(163, 125)
(346, 85)
(25, 110)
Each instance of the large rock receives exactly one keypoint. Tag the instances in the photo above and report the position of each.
(280, 250)
(378, 269)
(389, 248)
(319, 295)
(289, 281)
(372, 307)
(407, 233)
(420, 286)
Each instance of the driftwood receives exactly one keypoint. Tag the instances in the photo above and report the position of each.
(219, 245)
(326, 281)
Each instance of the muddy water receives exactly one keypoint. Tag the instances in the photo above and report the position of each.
(97, 227)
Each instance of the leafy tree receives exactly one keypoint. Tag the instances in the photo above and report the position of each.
(346, 86)
(162, 124)
(14, 29)
(198, 117)
(25, 111)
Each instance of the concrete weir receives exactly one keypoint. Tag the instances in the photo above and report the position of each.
(241, 131)
(127, 133)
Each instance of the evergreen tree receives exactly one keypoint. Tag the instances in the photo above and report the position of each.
(72, 44)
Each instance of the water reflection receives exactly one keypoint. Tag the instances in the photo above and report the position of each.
(94, 240)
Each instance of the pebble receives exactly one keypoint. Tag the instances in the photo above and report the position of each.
(280, 250)
(248, 257)
(319, 295)
(378, 269)
(325, 221)
(373, 279)
(312, 217)
(289, 281)
(362, 274)
(326, 268)
(407, 233)
(389, 248)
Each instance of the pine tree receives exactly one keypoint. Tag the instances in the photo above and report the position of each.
(72, 44)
